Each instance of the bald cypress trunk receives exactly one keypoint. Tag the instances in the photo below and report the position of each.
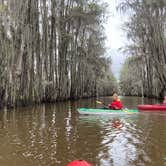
(51, 50)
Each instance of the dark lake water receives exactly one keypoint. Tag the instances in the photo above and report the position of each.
(55, 134)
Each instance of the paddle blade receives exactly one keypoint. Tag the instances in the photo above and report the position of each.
(99, 102)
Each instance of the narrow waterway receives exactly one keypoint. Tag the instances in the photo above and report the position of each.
(54, 134)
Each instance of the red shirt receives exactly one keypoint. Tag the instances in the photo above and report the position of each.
(116, 105)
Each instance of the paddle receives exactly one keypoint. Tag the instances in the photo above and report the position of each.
(99, 102)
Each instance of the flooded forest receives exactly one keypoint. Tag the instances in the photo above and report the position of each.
(72, 91)
(52, 50)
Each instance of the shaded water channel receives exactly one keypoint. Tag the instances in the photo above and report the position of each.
(54, 134)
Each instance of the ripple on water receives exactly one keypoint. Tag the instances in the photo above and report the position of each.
(48, 137)
(121, 147)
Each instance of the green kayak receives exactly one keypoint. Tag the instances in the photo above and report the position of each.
(98, 111)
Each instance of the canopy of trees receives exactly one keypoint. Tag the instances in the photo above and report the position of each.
(145, 72)
(52, 50)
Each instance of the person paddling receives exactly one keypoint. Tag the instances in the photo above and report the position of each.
(115, 104)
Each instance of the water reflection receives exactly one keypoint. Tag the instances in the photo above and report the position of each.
(131, 144)
(56, 134)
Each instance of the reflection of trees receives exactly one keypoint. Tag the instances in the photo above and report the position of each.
(55, 135)
(88, 140)
(152, 128)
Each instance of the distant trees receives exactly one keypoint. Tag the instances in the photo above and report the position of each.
(131, 78)
(52, 50)
(146, 71)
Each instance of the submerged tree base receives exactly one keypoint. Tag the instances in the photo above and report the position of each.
(27, 104)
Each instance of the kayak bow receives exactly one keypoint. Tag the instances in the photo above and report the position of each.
(153, 108)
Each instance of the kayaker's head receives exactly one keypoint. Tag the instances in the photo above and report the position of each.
(115, 96)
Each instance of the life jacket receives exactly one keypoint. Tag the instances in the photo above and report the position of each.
(116, 104)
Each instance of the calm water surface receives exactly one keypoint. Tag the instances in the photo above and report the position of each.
(53, 135)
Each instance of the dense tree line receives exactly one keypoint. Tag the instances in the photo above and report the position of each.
(144, 73)
(131, 78)
(52, 50)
